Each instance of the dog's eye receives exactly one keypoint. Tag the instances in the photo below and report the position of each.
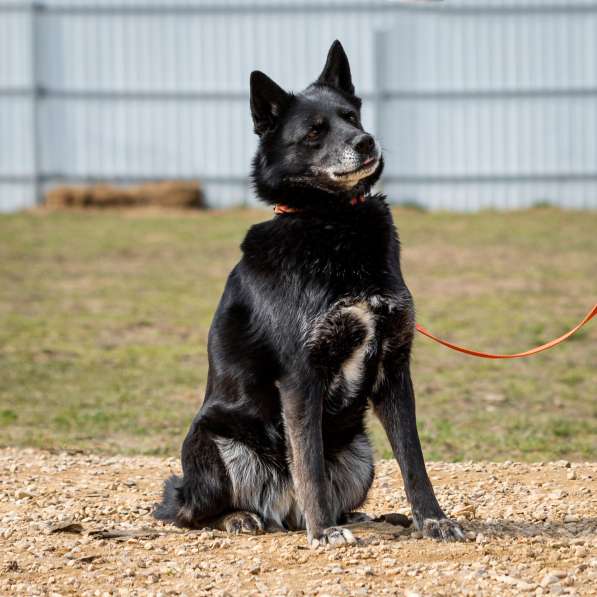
(350, 117)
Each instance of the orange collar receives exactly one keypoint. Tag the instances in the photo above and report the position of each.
(280, 208)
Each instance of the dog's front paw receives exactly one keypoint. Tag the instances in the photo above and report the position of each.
(443, 529)
(333, 536)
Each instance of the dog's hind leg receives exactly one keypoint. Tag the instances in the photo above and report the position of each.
(203, 494)
(394, 404)
(240, 522)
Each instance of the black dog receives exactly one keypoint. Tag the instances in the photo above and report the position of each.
(315, 321)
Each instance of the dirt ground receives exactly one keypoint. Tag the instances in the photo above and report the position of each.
(531, 528)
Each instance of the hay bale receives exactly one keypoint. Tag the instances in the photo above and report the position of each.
(170, 194)
(61, 197)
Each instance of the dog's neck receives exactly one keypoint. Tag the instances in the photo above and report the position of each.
(282, 208)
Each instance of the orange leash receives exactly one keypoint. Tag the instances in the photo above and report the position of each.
(488, 355)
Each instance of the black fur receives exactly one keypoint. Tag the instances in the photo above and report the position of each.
(314, 322)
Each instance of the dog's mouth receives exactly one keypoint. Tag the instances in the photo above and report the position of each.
(362, 171)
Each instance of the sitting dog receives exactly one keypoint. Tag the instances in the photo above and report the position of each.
(315, 324)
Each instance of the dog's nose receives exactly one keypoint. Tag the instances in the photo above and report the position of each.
(364, 144)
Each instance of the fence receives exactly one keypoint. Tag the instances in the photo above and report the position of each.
(477, 104)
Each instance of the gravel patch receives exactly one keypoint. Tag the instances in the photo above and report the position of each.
(80, 524)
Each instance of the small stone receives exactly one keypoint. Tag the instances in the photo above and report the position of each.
(549, 579)
(464, 510)
(509, 580)
(571, 475)
(21, 494)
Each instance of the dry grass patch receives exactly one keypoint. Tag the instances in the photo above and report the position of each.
(105, 316)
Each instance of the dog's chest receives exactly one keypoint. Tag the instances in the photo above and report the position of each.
(348, 342)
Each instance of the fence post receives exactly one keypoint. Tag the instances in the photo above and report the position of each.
(35, 8)
(379, 75)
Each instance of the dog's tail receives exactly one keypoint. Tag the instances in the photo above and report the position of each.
(174, 507)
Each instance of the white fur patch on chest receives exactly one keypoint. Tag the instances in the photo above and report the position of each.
(256, 485)
(352, 368)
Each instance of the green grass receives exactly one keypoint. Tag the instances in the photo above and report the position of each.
(104, 319)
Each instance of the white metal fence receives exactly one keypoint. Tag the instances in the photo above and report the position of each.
(477, 103)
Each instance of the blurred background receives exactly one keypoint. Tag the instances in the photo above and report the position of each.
(478, 103)
(487, 113)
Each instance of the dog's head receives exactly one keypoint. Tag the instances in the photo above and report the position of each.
(312, 146)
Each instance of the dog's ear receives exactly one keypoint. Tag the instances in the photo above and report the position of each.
(268, 101)
(336, 72)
